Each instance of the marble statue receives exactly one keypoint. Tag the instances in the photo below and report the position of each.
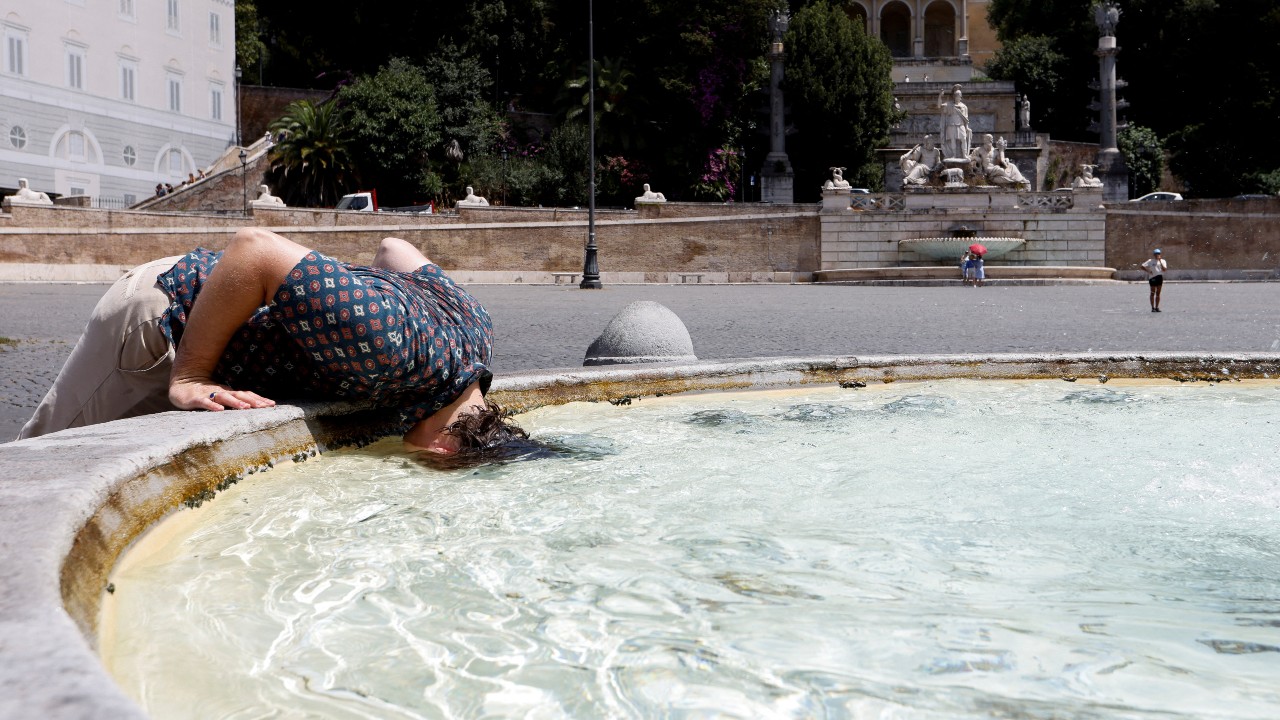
(1003, 171)
(956, 135)
(27, 196)
(920, 162)
(472, 199)
(1107, 16)
(837, 181)
(649, 196)
(1024, 112)
(266, 199)
(1086, 178)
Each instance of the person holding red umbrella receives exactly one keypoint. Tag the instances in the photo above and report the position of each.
(978, 273)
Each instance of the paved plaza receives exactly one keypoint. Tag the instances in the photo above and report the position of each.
(550, 327)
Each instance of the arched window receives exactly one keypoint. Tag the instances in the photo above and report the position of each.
(173, 164)
(858, 15)
(895, 29)
(75, 146)
(940, 30)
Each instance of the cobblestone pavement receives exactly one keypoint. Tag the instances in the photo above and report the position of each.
(551, 327)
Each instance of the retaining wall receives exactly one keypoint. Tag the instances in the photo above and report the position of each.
(752, 243)
(1200, 239)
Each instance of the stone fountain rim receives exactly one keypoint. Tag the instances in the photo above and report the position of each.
(72, 501)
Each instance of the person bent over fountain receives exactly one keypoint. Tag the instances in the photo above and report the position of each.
(268, 317)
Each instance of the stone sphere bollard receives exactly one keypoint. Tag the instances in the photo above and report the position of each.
(642, 332)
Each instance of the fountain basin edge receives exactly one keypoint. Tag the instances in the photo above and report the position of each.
(72, 502)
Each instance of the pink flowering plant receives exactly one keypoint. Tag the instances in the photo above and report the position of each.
(719, 178)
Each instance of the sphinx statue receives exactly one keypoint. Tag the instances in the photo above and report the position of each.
(266, 199)
(472, 199)
(27, 196)
(649, 196)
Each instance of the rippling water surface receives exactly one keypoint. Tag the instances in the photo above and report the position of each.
(946, 550)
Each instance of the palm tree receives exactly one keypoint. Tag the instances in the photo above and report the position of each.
(310, 165)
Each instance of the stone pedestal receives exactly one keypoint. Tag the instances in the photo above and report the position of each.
(1114, 174)
(777, 179)
(835, 199)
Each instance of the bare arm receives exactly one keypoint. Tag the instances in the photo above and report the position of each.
(246, 278)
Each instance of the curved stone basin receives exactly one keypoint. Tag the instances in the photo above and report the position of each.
(951, 248)
(71, 502)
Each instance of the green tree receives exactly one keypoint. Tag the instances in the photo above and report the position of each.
(1144, 155)
(1032, 62)
(566, 159)
(838, 83)
(471, 128)
(394, 125)
(250, 49)
(310, 165)
(1201, 74)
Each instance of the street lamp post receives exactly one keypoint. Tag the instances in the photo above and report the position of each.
(239, 140)
(244, 187)
(590, 268)
(504, 176)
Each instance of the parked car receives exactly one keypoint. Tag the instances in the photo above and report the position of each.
(859, 191)
(1158, 196)
(1254, 197)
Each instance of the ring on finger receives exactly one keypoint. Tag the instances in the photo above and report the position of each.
(215, 392)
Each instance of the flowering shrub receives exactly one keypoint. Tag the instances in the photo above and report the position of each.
(719, 178)
(616, 176)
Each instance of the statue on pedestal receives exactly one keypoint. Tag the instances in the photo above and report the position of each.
(27, 196)
(989, 161)
(472, 199)
(837, 181)
(1024, 112)
(266, 199)
(649, 196)
(920, 162)
(956, 135)
(1086, 178)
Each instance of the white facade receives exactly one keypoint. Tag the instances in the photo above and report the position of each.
(109, 97)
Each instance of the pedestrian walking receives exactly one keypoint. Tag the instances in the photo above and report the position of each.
(1155, 268)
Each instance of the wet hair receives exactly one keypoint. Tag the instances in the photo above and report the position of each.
(485, 428)
(486, 436)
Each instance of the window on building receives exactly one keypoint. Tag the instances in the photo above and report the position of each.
(15, 56)
(17, 137)
(126, 9)
(173, 24)
(215, 29)
(130, 156)
(128, 80)
(174, 163)
(72, 146)
(215, 101)
(175, 93)
(75, 67)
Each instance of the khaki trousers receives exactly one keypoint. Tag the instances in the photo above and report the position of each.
(120, 366)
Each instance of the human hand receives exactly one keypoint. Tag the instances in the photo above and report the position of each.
(205, 395)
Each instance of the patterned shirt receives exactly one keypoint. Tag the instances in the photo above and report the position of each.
(411, 341)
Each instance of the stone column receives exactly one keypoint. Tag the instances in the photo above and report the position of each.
(1111, 166)
(777, 178)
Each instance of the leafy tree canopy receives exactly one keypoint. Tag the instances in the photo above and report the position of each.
(1144, 155)
(394, 124)
(838, 83)
(1201, 75)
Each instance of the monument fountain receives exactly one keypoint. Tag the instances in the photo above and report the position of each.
(956, 189)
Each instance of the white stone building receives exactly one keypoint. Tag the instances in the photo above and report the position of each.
(106, 98)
